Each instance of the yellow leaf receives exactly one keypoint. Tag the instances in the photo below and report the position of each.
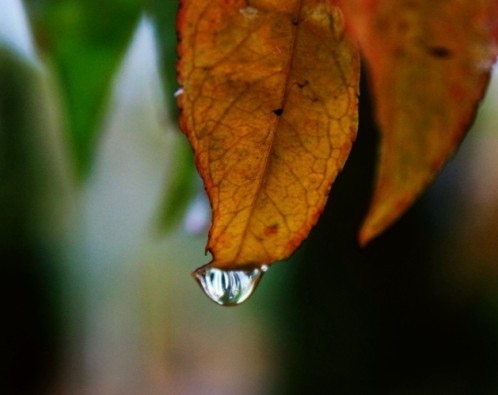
(269, 104)
(429, 64)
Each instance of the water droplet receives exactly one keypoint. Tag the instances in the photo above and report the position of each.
(178, 92)
(228, 287)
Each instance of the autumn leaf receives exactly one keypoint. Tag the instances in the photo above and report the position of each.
(429, 64)
(269, 105)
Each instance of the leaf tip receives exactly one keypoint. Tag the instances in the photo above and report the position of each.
(368, 232)
(388, 206)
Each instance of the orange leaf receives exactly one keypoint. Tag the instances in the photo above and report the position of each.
(269, 105)
(429, 63)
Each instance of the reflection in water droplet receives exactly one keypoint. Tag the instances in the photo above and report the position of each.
(228, 287)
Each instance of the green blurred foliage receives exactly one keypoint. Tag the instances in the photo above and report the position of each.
(17, 176)
(84, 41)
(163, 13)
(182, 185)
(181, 189)
(29, 191)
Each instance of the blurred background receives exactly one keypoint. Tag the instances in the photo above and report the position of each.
(103, 218)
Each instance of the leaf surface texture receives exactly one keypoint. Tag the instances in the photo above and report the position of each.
(269, 105)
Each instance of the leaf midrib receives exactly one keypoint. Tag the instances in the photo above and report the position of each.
(267, 160)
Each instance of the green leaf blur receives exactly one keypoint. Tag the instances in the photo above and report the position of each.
(174, 204)
(84, 41)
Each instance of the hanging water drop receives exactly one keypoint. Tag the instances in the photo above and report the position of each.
(228, 287)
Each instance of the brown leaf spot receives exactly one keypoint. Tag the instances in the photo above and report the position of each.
(302, 84)
(271, 230)
(439, 52)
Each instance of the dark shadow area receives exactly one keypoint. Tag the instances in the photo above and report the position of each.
(31, 335)
(29, 290)
(373, 320)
